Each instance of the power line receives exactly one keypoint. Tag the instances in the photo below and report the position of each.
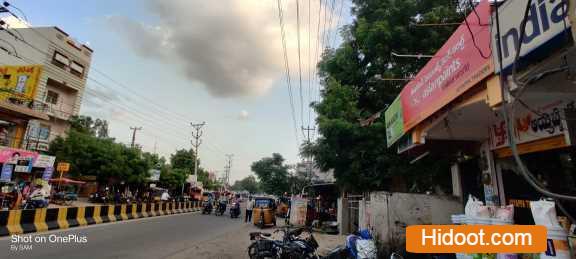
(287, 68)
(299, 60)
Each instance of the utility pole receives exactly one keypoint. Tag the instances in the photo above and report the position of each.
(134, 129)
(197, 134)
(309, 162)
(228, 168)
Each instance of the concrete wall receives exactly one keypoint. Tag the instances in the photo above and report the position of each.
(387, 214)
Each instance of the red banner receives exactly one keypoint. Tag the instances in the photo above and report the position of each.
(455, 68)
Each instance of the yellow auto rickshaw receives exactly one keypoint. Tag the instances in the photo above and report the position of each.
(263, 213)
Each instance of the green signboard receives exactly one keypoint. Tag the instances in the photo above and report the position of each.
(394, 122)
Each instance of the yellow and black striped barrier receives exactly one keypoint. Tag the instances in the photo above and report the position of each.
(40, 220)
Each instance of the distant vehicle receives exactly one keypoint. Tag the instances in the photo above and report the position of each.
(263, 213)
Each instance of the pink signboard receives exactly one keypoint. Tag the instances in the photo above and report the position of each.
(461, 63)
(12, 155)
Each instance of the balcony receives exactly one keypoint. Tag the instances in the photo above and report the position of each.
(21, 106)
(54, 110)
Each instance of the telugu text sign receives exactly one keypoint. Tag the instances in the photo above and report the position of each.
(461, 63)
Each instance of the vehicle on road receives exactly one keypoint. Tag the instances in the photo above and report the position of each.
(235, 210)
(66, 191)
(221, 209)
(263, 213)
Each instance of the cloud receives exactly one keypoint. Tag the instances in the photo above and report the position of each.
(230, 47)
(243, 115)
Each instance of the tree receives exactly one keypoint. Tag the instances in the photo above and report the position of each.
(272, 173)
(173, 178)
(249, 184)
(353, 90)
(86, 125)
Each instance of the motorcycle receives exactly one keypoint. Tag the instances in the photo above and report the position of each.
(235, 210)
(98, 198)
(292, 245)
(221, 209)
(30, 204)
(207, 208)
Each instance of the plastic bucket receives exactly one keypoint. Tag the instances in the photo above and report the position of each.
(557, 244)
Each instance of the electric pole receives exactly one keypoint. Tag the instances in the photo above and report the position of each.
(309, 162)
(134, 129)
(228, 168)
(197, 134)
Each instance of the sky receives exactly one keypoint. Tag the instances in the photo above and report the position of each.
(163, 64)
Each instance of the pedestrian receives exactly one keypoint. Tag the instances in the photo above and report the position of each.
(249, 207)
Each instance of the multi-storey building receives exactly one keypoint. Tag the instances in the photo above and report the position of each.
(57, 92)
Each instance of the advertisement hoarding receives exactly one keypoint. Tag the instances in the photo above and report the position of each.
(19, 82)
(461, 63)
(44, 161)
(12, 155)
(298, 211)
(394, 122)
(545, 26)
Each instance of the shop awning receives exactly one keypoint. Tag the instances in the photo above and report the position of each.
(66, 181)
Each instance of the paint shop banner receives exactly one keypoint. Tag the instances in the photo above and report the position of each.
(298, 211)
(545, 120)
(461, 63)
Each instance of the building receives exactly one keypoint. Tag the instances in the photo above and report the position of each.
(458, 110)
(59, 85)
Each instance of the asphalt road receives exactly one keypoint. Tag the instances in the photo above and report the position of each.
(158, 237)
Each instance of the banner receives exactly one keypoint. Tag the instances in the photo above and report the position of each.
(19, 82)
(530, 126)
(546, 23)
(394, 122)
(6, 175)
(12, 155)
(298, 211)
(44, 161)
(461, 63)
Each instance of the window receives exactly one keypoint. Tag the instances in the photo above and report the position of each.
(52, 97)
(44, 132)
(60, 60)
(76, 69)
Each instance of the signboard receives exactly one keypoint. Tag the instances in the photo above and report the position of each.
(44, 161)
(455, 68)
(6, 174)
(12, 155)
(154, 175)
(545, 26)
(298, 211)
(19, 81)
(47, 175)
(63, 167)
(24, 165)
(394, 122)
(531, 126)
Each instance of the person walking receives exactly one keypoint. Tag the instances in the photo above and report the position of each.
(249, 207)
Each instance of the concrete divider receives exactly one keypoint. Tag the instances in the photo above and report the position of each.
(40, 220)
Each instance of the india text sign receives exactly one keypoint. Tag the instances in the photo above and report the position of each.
(462, 62)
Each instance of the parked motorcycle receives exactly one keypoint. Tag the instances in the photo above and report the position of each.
(235, 210)
(292, 245)
(358, 245)
(30, 204)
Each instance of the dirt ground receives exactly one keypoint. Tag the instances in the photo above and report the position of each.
(235, 244)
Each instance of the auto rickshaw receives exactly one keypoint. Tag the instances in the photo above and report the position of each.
(263, 213)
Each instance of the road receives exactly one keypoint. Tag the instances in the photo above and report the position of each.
(172, 236)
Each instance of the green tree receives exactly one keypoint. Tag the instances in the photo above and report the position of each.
(272, 174)
(173, 178)
(249, 184)
(353, 90)
(87, 125)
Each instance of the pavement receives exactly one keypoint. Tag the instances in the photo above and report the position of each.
(190, 235)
